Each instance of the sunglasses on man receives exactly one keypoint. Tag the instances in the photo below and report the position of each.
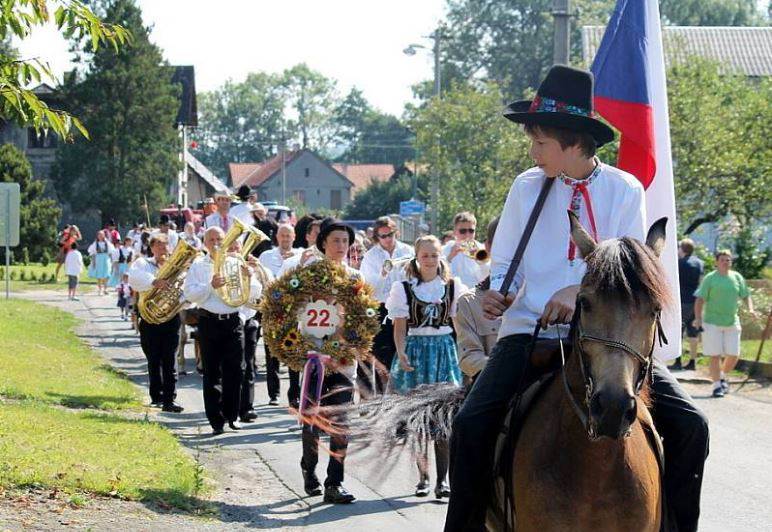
(384, 236)
(467, 231)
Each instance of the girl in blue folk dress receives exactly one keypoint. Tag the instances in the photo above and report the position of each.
(422, 308)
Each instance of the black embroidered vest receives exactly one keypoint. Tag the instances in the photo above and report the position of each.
(423, 314)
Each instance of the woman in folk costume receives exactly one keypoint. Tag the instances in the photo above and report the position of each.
(100, 252)
(122, 257)
(422, 308)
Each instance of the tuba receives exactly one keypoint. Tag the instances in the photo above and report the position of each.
(235, 291)
(158, 306)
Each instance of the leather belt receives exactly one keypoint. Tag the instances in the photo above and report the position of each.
(219, 317)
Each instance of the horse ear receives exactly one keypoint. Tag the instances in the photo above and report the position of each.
(580, 236)
(656, 237)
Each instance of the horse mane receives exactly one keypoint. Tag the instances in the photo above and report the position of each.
(623, 267)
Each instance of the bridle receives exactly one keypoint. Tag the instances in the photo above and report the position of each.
(579, 338)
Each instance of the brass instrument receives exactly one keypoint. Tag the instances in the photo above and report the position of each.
(474, 251)
(266, 278)
(158, 306)
(389, 264)
(235, 291)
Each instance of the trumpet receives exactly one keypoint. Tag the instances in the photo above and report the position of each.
(474, 251)
(389, 264)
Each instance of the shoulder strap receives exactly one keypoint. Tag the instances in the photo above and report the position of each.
(510, 276)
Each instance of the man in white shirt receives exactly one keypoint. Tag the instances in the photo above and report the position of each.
(221, 336)
(387, 247)
(164, 228)
(457, 251)
(564, 136)
(333, 240)
(159, 341)
(243, 211)
(312, 232)
(222, 218)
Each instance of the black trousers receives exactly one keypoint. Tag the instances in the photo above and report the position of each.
(246, 403)
(682, 425)
(222, 357)
(293, 393)
(337, 390)
(272, 381)
(159, 343)
(384, 350)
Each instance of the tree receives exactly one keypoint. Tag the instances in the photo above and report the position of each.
(371, 136)
(474, 149)
(313, 98)
(38, 217)
(720, 128)
(241, 122)
(18, 18)
(382, 198)
(128, 101)
(711, 12)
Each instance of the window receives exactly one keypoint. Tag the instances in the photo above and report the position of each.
(299, 196)
(44, 140)
(308, 172)
(336, 202)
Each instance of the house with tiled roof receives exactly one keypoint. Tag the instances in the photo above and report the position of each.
(738, 49)
(364, 175)
(299, 175)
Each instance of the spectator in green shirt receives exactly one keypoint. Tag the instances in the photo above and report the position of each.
(715, 309)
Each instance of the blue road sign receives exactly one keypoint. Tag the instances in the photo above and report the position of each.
(411, 207)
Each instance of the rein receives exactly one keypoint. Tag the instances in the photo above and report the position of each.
(580, 336)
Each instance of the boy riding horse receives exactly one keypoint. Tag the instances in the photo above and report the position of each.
(564, 136)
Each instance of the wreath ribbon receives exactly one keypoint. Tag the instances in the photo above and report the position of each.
(316, 362)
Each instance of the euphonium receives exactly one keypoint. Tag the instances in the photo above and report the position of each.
(390, 264)
(235, 291)
(158, 306)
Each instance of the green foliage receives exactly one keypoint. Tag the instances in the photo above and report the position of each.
(19, 18)
(382, 198)
(39, 216)
(476, 152)
(720, 126)
(711, 12)
(241, 122)
(129, 103)
(313, 99)
(749, 259)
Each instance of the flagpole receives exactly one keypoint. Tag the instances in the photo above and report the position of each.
(562, 42)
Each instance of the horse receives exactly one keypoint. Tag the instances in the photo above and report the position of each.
(587, 455)
(584, 460)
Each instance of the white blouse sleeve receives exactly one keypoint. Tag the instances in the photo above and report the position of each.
(396, 303)
(92, 249)
(459, 290)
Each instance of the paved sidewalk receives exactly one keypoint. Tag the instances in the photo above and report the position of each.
(259, 484)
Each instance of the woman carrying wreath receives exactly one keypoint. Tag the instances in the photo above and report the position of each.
(333, 240)
(422, 308)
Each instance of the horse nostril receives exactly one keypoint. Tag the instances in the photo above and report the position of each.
(632, 410)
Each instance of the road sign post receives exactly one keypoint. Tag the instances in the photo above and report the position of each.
(10, 202)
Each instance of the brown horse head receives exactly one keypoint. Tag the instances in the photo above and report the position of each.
(617, 322)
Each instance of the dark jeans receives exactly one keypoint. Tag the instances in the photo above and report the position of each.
(221, 356)
(159, 343)
(337, 390)
(247, 400)
(681, 424)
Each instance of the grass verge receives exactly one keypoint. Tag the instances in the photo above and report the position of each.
(35, 276)
(42, 359)
(45, 366)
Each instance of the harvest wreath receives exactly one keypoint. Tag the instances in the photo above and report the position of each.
(287, 297)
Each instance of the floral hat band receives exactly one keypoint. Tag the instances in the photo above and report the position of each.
(548, 105)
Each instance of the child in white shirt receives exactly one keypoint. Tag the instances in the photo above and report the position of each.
(73, 265)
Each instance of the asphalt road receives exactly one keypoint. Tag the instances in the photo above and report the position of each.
(258, 472)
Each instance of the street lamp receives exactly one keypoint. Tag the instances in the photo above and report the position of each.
(435, 178)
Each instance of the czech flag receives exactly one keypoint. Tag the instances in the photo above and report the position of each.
(631, 94)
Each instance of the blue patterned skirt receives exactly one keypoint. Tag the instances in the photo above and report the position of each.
(100, 266)
(434, 359)
(118, 270)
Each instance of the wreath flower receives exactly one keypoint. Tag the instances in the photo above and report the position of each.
(322, 279)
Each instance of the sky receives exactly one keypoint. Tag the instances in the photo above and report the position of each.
(358, 42)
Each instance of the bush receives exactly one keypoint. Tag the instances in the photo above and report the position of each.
(14, 275)
(45, 258)
(25, 255)
(750, 260)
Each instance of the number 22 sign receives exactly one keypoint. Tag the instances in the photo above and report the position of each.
(318, 319)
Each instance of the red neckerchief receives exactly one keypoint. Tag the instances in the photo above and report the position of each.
(580, 192)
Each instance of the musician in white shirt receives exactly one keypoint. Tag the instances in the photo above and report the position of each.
(221, 335)
(462, 264)
(243, 211)
(222, 218)
(388, 247)
(159, 341)
(274, 258)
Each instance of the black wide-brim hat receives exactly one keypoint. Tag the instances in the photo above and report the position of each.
(328, 226)
(564, 99)
(243, 192)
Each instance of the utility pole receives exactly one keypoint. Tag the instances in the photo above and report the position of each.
(435, 183)
(561, 13)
